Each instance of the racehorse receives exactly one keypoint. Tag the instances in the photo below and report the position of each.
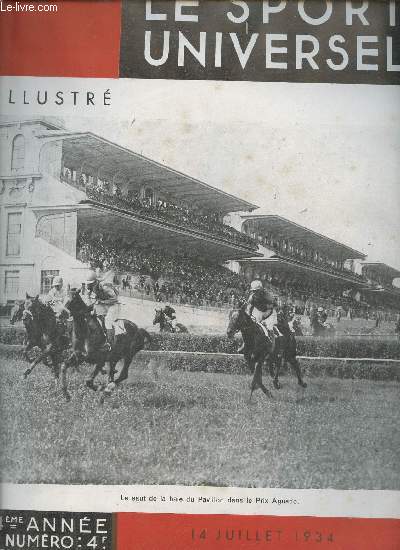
(256, 346)
(165, 326)
(258, 349)
(43, 331)
(88, 344)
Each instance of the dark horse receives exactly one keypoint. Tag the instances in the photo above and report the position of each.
(258, 349)
(43, 331)
(256, 346)
(88, 344)
(165, 326)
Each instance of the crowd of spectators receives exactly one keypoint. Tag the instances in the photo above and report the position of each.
(161, 210)
(165, 275)
(175, 276)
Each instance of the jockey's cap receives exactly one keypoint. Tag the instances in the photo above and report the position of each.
(91, 278)
(320, 309)
(57, 281)
(256, 285)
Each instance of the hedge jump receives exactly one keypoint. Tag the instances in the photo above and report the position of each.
(226, 363)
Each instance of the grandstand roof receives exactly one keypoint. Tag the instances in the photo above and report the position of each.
(291, 230)
(294, 266)
(383, 269)
(88, 147)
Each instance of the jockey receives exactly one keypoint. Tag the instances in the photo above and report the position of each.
(104, 297)
(169, 313)
(261, 307)
(56, 297)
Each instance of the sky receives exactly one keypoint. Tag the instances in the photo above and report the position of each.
(326, 156)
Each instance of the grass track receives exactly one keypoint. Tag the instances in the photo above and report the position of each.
(175, 427)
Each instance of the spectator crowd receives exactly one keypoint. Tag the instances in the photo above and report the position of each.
(165, 275)
(160, 210)
(175, 276)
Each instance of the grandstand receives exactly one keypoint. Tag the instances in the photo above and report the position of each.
(70, 201)
(381, 291)
(303, 267)
(61, 189)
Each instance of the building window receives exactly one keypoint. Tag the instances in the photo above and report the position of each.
(46, 279)
(11, 284)
(14, 230)
(18, 153)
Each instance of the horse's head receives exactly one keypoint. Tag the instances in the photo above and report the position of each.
(32, 305)
(158, 316)
(76, 306)
(16, 312)
(235, 322)
(37, 312)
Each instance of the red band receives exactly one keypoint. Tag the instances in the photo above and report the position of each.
(80, 39)
(228, 532)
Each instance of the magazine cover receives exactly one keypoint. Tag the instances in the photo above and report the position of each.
(199, 274)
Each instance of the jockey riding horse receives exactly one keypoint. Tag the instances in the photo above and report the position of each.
(56, 299)
(103, 297)
(261, 308)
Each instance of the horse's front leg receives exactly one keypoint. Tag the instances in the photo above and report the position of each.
(28, 346)
(294, 363)
(257, 380)
(63, 376)
(123, 375)
(260, 382)
(111, 383)
(277, 361)
(55, 365)
(96, 371)
(254, 382)
(45, 353)
(111, 373)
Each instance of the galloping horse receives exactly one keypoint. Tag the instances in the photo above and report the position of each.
(165, 326)
(88, 344)
(256, 346)
(43, 331)
(258, 349)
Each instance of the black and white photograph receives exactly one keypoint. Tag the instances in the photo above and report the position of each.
(203, 290)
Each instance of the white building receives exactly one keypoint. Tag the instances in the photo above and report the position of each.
(48, 194)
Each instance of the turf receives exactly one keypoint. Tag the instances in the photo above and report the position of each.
(176, 427)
